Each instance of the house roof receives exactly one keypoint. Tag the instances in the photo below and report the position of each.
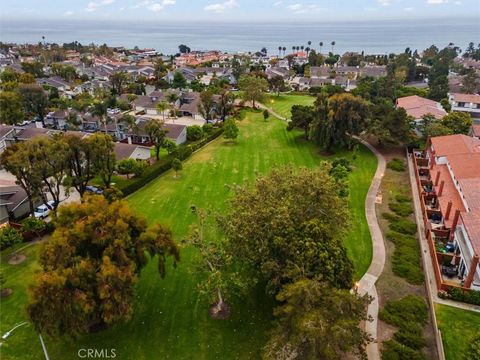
(13, 195)
(418, 107)
(455, 144)
(466, 98)
(4, 130)
(124, 151)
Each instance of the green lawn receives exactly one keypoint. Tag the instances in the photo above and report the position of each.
(282, 104)
(171, 320)
(458, 327)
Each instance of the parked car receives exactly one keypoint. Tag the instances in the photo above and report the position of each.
(93, 190)
(43, 211)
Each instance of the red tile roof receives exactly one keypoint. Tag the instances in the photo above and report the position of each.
(466, 98)
(455, 144)
(418, 107)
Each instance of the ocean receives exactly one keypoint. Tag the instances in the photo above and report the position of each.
(373, 37)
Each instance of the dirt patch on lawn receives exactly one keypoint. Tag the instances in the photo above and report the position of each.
(17, 259)
(222, 314)
(5, 293)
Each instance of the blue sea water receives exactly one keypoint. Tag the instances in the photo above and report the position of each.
(373, 37)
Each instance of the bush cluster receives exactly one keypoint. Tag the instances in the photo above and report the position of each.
(410, 315)
(469, 297)
(406, 259)
(396, 165)
(165, 164)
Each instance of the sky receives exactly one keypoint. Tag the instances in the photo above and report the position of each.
(237, 10)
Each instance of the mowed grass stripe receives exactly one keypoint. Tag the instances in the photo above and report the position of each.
(170, 320)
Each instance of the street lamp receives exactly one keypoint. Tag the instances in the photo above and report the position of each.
(7, 334)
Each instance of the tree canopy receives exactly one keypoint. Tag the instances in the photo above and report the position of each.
(290, 225)
(90, 265)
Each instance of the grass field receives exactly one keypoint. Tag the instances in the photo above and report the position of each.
(283, 103)
(171, 320)
(458, 327)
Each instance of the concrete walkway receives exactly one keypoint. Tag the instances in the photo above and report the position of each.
(270, 110)
(366, 284)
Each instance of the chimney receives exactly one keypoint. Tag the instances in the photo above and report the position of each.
(449, 209)
(440, 191)
(437, 178)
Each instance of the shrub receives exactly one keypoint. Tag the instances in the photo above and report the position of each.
(194, 133)
(411, 337)
(342, 161)
(9, 236)
(403, 312)
(34, 225)
(410, 315)
(403, 226)
(401, 208)
(403, 198)
(470, 297)
(207, 128)
(390, 217)
(406, 257)
(392, 350)
(396, 165)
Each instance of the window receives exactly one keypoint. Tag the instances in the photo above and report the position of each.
(461, 104)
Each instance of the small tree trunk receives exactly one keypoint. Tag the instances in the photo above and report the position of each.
(220, 300)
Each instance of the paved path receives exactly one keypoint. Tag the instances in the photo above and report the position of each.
(270, 110)
(367, 282)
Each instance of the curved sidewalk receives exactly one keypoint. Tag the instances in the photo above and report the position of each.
(367, 282)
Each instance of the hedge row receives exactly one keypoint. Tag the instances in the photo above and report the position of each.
(469, 297)
(183, 152)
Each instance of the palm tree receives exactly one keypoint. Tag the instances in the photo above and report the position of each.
(161, 107)
(298, 48)
(309, 43)
(307, 49)
(293, 48)
(321, 46)
(279, 51)
(333, 45)
(302, 47)
(284, 49)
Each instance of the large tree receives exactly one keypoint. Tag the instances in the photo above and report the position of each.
(103, 157)
(11, 108)
(458, 122)
(157, 134)
(346, 116)
(390, 125)
(118, 81)
(91, 264)
(16, 161)
(35, 99)
(207, 104)
(316, 321)
(80, 162)
(302, 117)
(47, 157)
(253, 88)
(290, 225)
